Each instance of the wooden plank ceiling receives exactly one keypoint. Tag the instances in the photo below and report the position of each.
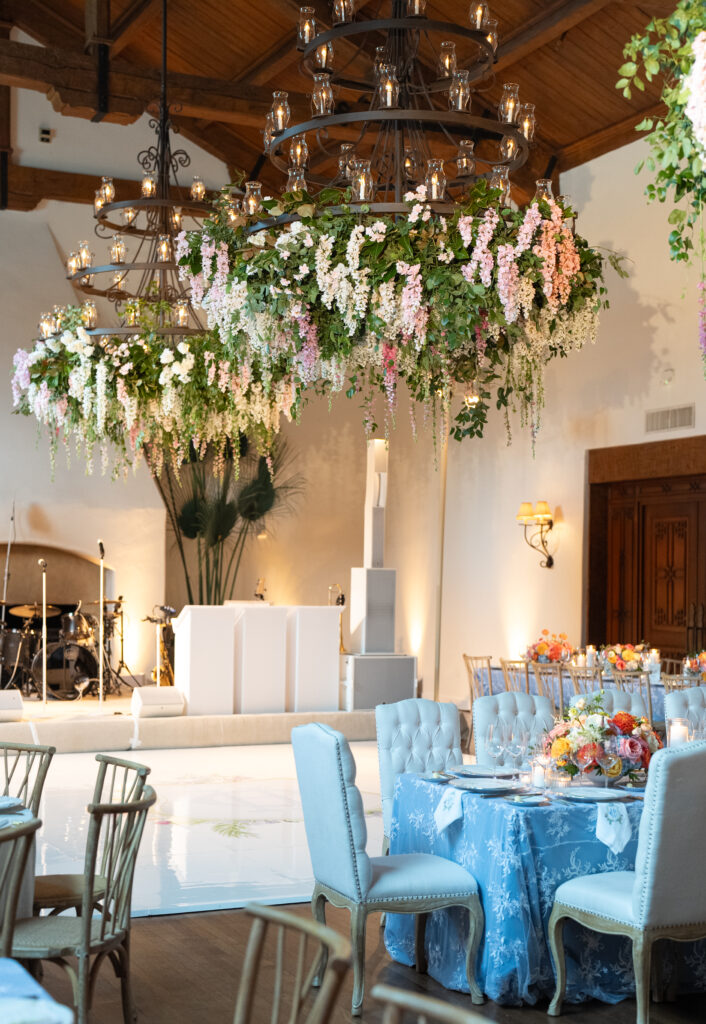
(226, 56)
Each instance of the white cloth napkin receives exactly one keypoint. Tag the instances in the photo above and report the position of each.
(613, 826)
(449, 808)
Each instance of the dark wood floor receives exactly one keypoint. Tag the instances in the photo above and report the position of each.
(186, 967)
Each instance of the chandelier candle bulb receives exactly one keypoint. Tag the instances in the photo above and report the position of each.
(460, 91)
(388, 87)
(416, 8)
(72, 264)
(508, 147)
(198, 189)
(130, 316)
(465, 158)
(500, 178)
(107, 189)
(299, 152)
(89, 314)
(447, 59)
(471, 397)
(544, 191)
(345, 160)
(491, 26)
(526, 120)
(343, 11)
(268, 132)
(296, 182)
(322, 96)
(509, 103)
(119, 281)
(46, 325)
(176, 218)
(98, 202)
(58, 317)
(411, 165)
(164, 249)
(85, 255)
(306, 27)
(118, 250)
(252, 200)
(323, 56)
(129, 214)
(181, 314)
(380, 61)
(148, 186)
(478, 16)
(362, 187)
(435, 179)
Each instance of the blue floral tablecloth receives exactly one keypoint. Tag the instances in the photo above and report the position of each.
(519, 856)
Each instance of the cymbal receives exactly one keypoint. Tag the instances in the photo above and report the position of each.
(108, 600)
(34, 611)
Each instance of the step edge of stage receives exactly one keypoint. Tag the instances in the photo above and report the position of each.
(124, 732)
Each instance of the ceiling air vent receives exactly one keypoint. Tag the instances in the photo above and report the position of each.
(678, 418)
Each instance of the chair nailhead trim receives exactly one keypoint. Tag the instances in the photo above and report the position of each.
(339, 765)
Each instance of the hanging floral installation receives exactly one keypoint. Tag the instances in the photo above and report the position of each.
(328, 299)
(674, 48)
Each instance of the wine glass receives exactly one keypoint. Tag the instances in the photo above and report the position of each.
(517, 743)
(495, 744)
(608, 757)
(584, 760)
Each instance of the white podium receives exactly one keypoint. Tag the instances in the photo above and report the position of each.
(312, 658)
(204, 658)
(260, 636)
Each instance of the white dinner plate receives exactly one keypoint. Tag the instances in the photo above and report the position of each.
(592, 794)
(9, 804)
(483, 786)
(528, 799)
(434, 777)
(479, 771)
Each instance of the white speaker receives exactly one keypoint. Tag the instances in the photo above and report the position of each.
(157, 702)
(10, 705)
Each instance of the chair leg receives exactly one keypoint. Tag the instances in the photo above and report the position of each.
(641, 957)
(556, 946)
(358, 920)
(129, 1011)
(385, 853)
(318, 911)
(420, 956)
(476, 927)
(84, 989)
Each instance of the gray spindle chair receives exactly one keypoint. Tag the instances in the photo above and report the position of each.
(24, 770)
(515, 674)
(399, 1005)
(260, 995)
(114, 834)
(15, 843)
(117, 781)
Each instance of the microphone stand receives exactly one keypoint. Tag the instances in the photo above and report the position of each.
(10, 539)
(43, 564)
(101, 627)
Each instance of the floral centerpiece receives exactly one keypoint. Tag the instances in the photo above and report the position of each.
(624, 657)
(589, 741)
(549, 647)
(695, 664)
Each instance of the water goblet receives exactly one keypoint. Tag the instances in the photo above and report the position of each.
(517, 743)
(495, 744)
(608, 757)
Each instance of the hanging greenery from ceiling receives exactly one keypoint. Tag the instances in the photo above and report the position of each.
(674, 49)
(333, 299)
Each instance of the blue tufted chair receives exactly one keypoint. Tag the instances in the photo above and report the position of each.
(507, 707)
(679, 703)
(618, 700)
(664, 897)
(414, 735)
(411, 883)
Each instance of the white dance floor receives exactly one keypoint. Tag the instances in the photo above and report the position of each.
(227, 827)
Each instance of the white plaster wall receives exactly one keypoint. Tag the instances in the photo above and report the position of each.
(496, 598)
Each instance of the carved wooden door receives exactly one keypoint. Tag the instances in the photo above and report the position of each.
(670, 568)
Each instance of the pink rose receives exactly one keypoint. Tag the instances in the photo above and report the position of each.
(631, 748)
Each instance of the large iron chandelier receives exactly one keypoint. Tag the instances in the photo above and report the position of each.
(140, 272)
(414, 116)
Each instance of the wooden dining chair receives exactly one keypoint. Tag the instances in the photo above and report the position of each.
(480, 683)
(401, 1007)
(117, 781)
(585, 680)
(550, 683)
(15, 844)
(515, 674)
(301, 945)
(24, 771)
(671, 666)
(635, 682)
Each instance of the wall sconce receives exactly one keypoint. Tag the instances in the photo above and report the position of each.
(541, 517)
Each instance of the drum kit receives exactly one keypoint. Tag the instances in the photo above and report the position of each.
(72, 660)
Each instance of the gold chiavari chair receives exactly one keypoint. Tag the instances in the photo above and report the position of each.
(480, 683)
(550, 683)
(678, 682)
(635, 682)
(585, 680)
(515, 674)
(671, 666)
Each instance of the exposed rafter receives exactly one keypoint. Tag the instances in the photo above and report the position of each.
(606, 140)
(545, 27)
(130, 24)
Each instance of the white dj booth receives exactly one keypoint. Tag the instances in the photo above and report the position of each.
(251, 658)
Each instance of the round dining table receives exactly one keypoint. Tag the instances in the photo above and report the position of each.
(519, 855)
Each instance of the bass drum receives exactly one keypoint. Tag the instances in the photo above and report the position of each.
(70, 667)
(16, 650)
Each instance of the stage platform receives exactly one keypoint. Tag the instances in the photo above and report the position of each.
(86, 726)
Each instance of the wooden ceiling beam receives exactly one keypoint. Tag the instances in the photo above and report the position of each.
(543, 28)
(67, 78)
(130, 24)
(28, 186)
(42, 22)
(606, 139)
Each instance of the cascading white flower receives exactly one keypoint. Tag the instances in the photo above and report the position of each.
(696, 87)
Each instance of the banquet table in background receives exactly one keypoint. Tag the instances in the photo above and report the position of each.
(519, 855)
